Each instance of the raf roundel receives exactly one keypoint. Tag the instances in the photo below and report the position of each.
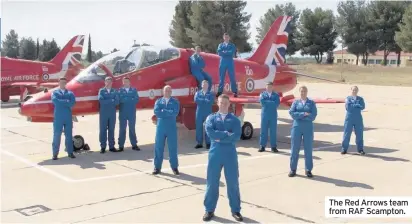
(151, 94)
(45, 76)
(250, 85)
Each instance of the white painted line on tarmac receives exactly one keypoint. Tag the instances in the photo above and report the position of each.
(67, 179)
(41, 168)
(37, 140)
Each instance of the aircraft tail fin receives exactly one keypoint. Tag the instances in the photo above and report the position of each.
(70, 55)
(272, 49)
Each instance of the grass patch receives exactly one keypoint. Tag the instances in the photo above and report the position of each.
(371, 75)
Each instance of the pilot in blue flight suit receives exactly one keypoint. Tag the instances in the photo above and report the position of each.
(108, 99)
(224, 131)
(128, 97)
(354, 105)
(63, 101)
(304, 112)
(197, 64)
(166, 110)
(269, 117)
(227, 51)
(204, 100)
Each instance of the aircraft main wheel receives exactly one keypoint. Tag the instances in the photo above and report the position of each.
(247, 131)
(78, 142)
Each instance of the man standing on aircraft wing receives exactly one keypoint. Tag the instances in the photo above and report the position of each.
(128, 97)
(204, 100)
(226, 51)
(108, 99)
(269, 117)
(196, 67)
(224, 130)
(354, 105)
(166, 109)
(63, 101)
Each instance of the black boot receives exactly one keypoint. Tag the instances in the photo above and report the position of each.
(176, 171)
(55, 157)
(262, 149)
(309, 174)
(71, 155)
(274, 149)
(156, 171)
(208, 216)
(113, 150)
(136, 148)
(102, 150)
(292, 173)
(237, 216)
(198, 146)
(121, 149)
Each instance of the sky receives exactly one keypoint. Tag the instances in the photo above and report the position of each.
(112, 24)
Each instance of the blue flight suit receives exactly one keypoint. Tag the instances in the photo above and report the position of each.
(204, 108)
(107, 116)
(227, 64)
(127, 115)
(166, 128)
(353, 120)
(302, 127)
(196, 67)
(222, 154)
(63, 101)
(269, 117)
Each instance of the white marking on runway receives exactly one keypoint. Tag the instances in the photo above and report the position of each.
(67, 179)
(41, 168)
(36, 140)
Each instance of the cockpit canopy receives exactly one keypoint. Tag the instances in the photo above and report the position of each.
(121, 62)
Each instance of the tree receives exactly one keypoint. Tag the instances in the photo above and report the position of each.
(48, 50)
(27, 49)
(37, 49)
(210, 19)
(404, 36)
(349, 24)
(317, 32)
(11, 45)
(266, 21)
(98, 55)
(89, 50)
(180, 23)
(385, 17)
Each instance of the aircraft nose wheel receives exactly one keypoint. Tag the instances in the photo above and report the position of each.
(247, 131)
(78, 143)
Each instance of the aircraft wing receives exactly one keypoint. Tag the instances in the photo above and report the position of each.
(288, 100)
(45, 84)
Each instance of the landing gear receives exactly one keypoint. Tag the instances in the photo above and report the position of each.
(247, 127)
(78, 144)
(247, 131)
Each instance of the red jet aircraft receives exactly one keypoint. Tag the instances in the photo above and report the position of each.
(151, 68)
(22, 77)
